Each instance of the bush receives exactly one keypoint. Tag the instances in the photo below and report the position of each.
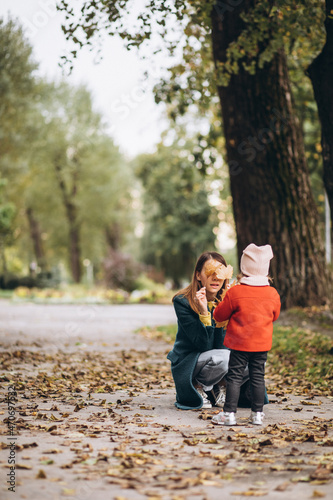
(9, 281)
(120, 271)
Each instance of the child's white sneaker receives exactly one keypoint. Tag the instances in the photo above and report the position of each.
(220, 395)
(257, 417)
(224, 418)
(205, 401)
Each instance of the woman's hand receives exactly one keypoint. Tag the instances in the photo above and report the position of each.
(202, 300)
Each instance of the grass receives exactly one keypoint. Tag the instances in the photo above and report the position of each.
(167, 333)
(300, 362)
(6, 294)
(76, 294)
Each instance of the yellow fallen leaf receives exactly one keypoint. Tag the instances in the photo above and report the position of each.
(209, 482)
(251, 493)
(68, 492)
(278, 467)
(318, 494)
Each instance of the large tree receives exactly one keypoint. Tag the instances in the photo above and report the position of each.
(321, 74)
(19, 92)
(269, 179)
(77, 173)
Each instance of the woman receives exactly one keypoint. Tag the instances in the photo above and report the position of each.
(199, 361)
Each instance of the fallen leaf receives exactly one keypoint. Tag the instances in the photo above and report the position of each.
(251, 493)
(282, 486)
(318, 494)
(41, 474)
(68, 492)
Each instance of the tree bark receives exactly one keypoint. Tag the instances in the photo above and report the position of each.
(74, 228)
(113, 236)
(3, 254)
(35, 234)
(320, 72)
(272, 199)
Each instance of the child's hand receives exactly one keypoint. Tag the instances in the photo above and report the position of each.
(201, 299)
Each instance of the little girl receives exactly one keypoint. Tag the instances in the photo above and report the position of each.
(251, 307)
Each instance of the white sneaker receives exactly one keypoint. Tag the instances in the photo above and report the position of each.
(206, 402)
(224, 418)
(257, 417)
(220, 396)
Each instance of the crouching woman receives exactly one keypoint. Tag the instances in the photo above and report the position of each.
(199, 360)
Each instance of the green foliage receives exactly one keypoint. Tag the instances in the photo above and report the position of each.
(179, 221)
(17, 86)
(7, 213)
(76, 162)
(56, 155)
(190, 85)
(269, 28)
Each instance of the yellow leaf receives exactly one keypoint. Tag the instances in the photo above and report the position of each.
(251, 493)
(318, 494)
(68, 492)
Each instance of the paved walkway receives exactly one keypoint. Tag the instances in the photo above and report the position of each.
(94, 418)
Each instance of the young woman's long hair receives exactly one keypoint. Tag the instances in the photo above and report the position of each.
(190, 291)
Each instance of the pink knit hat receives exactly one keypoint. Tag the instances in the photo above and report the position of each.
(255, 264)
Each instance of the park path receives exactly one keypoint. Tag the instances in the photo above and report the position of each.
(95, 326)
(95, 418)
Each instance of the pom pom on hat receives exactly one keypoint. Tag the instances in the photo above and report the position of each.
(255, 264)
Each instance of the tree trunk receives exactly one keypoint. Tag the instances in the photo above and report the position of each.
(3, 254)
(320, 72)
(36, 238)
(74, 228)
(272, 199)
(113, 236)
(74, 246)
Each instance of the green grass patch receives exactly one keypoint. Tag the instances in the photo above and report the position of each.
(6, 294)
(167, 333)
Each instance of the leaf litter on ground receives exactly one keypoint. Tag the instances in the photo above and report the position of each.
(67, 396)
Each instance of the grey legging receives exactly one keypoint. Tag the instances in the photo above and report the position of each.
(212, 367)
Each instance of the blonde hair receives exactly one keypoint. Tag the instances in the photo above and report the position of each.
(190, 291)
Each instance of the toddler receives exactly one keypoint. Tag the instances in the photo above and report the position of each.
(251, 307)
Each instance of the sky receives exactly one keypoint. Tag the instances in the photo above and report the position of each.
(116, 83)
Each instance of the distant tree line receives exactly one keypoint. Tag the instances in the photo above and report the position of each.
(69, 197)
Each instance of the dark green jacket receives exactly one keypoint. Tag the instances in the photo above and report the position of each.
(192, 339)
